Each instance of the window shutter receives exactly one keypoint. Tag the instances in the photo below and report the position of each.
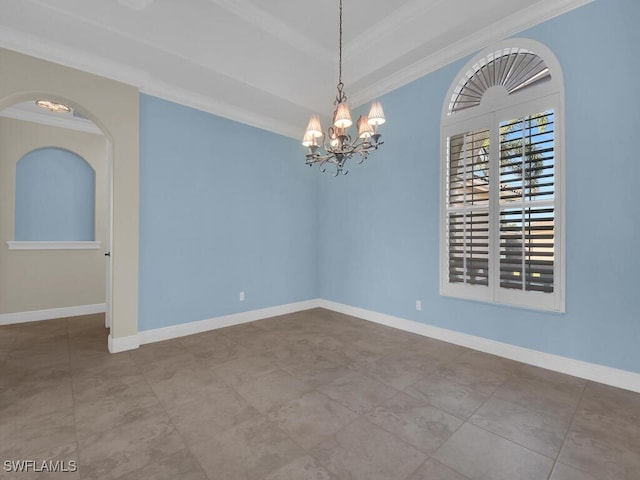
(527, 194)
(502, 208)
(468, 208)
(513, 68)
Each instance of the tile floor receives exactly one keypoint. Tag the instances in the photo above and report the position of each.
(312, 395)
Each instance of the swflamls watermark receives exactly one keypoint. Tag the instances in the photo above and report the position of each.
(39, 466)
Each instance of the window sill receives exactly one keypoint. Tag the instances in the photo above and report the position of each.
(535, 301)
(64, 245)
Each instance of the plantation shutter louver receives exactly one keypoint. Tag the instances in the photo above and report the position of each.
(527, 194)
(512, 68)
(468, 208)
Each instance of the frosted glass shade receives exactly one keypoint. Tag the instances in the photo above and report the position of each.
(376, 114)
(342, 117)
(53, 106)
(314, 128)
(364, 129)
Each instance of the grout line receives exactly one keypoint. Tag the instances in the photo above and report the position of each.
(418, 467)
(566, 434)
(469, 422)
(73, 404)
(164, 409)
(509, 440)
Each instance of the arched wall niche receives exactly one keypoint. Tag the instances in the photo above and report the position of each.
(55, 196)
(113, 107)
(44, 265)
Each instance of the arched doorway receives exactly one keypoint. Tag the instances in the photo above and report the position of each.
(55, 214)
(113, 107)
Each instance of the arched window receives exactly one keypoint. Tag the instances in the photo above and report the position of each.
(55, 197)
(502, 210)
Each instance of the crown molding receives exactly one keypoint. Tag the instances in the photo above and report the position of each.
(136, 4)
(220, 108)
(275, 27)
(505, 28)
(73, 58)
(255, 16)
(388, 26)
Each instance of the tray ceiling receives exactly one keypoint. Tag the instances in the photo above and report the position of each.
(269, 64)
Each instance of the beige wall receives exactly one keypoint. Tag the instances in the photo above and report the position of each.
(44, 279)
(112, 106)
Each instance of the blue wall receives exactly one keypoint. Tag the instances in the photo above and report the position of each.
(55, 196)
(379, 225)
(224, 208)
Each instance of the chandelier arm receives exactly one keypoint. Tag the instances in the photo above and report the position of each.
(321, 159)
(326, 144)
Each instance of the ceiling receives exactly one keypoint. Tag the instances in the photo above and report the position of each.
(270, 64)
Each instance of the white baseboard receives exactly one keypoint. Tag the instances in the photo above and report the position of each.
(590, 371)
(122, 344)
(51, 313)
(184, 329)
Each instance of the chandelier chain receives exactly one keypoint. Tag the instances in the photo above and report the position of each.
(340, 97)
(340, 48)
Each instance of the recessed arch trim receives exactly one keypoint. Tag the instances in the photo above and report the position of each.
(26, 96)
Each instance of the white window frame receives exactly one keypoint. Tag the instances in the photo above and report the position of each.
(498, 106)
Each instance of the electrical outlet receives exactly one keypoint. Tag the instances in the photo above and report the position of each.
(418, 305)
(241, 296)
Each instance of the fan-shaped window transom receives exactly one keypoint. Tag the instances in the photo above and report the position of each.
(512, 68)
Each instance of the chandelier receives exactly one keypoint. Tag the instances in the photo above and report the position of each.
(337, 146)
